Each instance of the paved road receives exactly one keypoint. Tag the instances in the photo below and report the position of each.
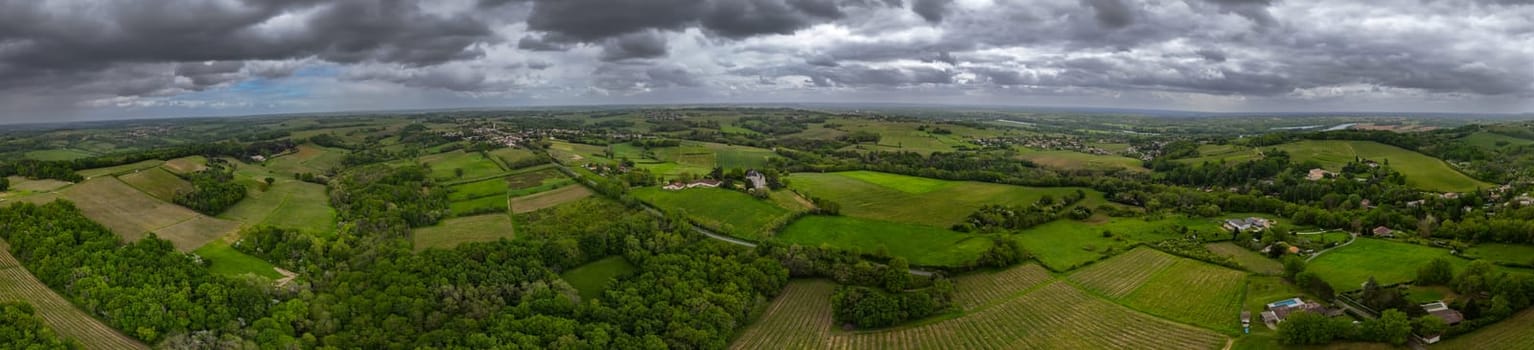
(1352, 237)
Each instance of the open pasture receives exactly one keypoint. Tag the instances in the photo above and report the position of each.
(917, 200)
(478, 205)
(1055, 316)
(445, 166)
(549, 199)
(593, 278)
(511, 155)
(727, 211)
(1504, 253)
(196, 232)
(1489, 140)
(287, 203)
(306, 158)
(452, 232)
(1248, 259)
(17, 284)
(978, 289)
(1421, 171)
(186, 165)
(25, 185)
(742, 157)
(1071, 160)
(60, 154)
(477, 189)
(1065, 244)
(578, 153)
(224, 260)
(157, 182)
(1510, 334)
(921, 245)
(1347, 268)
(120, 169)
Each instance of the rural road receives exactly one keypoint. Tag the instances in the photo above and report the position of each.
(1351, 238)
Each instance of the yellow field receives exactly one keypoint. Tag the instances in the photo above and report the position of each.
(16, 284)
(186, 165)
(548, 199)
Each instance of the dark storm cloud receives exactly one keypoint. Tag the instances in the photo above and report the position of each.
(636, 45)
(624, 78)
(208, 74)
(1111, 13)
(931, 10)
(596, 20)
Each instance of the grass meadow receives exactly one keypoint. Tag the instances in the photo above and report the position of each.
(1066, 244)
(452, 232)
(1503, 253)
(921, 245)
(1071, 160)
(549, 199)
(1250, 260)
(60, 154)
(726, 211)
(157, 182)
(592, 278)
(223, 259)
(918, 200)
(1347, 268)
(445, 166)
(287, 203)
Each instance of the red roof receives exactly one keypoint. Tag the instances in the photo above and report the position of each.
(1381, 230)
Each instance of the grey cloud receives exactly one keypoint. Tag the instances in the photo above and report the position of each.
(597, 20)
(206, 74)
(636, 45)
(452, 78)
(618, 77)
(1112, 14)
(1211, 55)
(931, 10)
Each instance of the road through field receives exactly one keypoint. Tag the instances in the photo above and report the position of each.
(16, 283)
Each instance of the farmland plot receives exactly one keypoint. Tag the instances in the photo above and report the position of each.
(1512, 333)
(983, 288)
(1121, 275)
(800, 318)
(1193, 292)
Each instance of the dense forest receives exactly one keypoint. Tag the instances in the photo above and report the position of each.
(22, 328)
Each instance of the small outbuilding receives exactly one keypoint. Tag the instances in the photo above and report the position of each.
(1383, 232)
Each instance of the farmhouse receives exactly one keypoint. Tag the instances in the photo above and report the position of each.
(1279, 310)
(1383, 232)
(756, 179)
(1251, 224)
(258, 158)
(1317, 174)
(1442, 311)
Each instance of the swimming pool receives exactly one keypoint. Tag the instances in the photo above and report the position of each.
(1283, 303)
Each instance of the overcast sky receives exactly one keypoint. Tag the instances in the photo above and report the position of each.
(98, 59)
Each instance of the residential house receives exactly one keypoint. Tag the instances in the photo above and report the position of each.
(1279, 310)
(756, 179)
(258, 158)
(1317, 174)
(1441, 311)
(1383, 232)
(1251, 224)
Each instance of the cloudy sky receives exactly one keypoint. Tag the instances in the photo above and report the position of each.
(96, 59)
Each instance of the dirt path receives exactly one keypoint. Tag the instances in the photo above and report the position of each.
(1352, 237)
(287, 277)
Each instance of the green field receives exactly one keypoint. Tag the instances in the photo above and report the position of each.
(741, 157)
(921, 245)
(903, 136)
(478, 205)
(918, 200)
(120, 169)
(1248, 259)
(1421, 171)
(132, 214)
(1510, 334)
(592, 278)
(452, 232)
(1503, 253)
(287, 203)
(157, 182)
(1347, 268)
(185, 165)
(444, 166)
(727, 211)
(1053, 316)
(1065, 244)
(1181, 289)
(1071, 160)
(509, 155)
(1489, 140)
(223, 259)
(578, 153)
(549, 199)
(60, 154)
(307, 158)
(982, 288)
(478, 189)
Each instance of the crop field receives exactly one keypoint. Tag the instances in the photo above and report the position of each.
(157, 182)
(891, 197)
(1421, 171)
(1121, 275)
(223, 259)
(1071, 160)
(510, 155)
(307, 159)
(921, 245)
(120, 169)
(1490, 140)
(727, 211)
(127, 211)
(22, 184)
(478, 189)
(578, 153)
(60, 154)
(1248, 259)
(978, 289)
(1512, 333)
(1065, 244)
(1347, 268)
(549, 199)
(288, 203)
(186, 165)
(592, 278)
(478, 205)
(1504, 253)
(800, 318)
(1193, 292)
(1055, 316)
(531, 179)
(452, 232)
(196, 232)
(16, 283)
(444, 166)
(742, 157)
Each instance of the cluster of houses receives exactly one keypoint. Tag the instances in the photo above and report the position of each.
(1041, 142)
(1250, 224)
